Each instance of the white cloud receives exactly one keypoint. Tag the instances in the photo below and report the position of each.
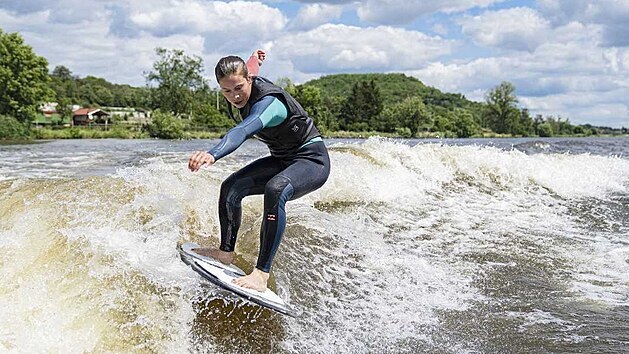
(311, 16)
(404, 11)
(518, 28)
(568, 58)
(60, 11)
(584, 107)
(335, 48)
(612, 15)
(337, 2)
(89, 50)
(191, 16)
(226, 26)
(440, 29)
(574, 79)
(118, 44)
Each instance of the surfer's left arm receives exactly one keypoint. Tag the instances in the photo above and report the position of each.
(255, 62)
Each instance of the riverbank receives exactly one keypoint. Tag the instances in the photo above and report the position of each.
(117, 132)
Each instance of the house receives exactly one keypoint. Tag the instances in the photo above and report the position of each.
(47, 115)
(87, 116)
(130, 114)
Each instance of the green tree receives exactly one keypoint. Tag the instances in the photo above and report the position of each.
(330, 112)
(62, 73)
(537, 121)
(564, 126)
(411, 114)
(525, 125)
(579, 130)
(205, 113)
(87, 95)
(464, 125)
(64, 109)
(502, 114)
(165, 125)
(12, 129)
(310, 99)
(179, 79)
(64, 84)
(361, 107)
(285, 83)
(23, 78)
(104, 97)
(545, 130)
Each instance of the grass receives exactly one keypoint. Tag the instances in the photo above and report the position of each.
(123, 132)
(86, 133)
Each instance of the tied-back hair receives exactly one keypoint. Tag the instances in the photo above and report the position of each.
(230, 65)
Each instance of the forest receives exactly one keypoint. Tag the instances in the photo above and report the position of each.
(181, 102)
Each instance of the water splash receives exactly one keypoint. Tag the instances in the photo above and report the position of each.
(426, 247)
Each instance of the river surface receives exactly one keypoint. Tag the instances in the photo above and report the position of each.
(412, 246)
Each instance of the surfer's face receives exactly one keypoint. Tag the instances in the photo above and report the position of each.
(236, 89)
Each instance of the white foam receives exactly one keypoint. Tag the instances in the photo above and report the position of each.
(396, 237)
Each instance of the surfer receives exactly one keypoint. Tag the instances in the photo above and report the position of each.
(298, 163)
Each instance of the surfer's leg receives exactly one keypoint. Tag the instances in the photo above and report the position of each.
(249, 180)
(306, 173)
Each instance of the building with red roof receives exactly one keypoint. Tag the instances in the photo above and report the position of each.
(87, 116)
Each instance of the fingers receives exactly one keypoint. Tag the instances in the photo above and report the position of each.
(261, 55)
(194, 161)
(198, 159)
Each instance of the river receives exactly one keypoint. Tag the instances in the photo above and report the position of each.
(412, 246)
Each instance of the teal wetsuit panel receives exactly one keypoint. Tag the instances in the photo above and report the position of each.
(267, 112)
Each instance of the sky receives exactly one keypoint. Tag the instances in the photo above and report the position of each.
(567, 58)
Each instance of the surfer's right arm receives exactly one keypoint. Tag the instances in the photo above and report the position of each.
(267, 112)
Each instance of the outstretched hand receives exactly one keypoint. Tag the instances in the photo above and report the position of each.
(260, 55)
(198, 159)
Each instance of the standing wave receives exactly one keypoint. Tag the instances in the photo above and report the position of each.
(405, 249)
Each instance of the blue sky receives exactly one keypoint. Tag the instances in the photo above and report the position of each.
(567, 58)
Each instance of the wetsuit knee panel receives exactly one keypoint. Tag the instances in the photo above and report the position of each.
(276, 185)
(277, 189)
(233, 190)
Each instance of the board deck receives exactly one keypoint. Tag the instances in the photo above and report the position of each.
(222, 275)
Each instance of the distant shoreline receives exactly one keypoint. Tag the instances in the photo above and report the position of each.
(81, 133)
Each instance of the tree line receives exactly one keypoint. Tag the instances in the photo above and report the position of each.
(180, 97)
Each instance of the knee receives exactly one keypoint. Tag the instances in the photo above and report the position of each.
(226, 186)
(278, 187)
(230, 192)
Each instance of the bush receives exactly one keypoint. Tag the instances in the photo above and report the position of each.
(403, 132)
(119, 132)
(12, 129)
(464, 125)
(116, 131)
(166, 126)
(545, 130)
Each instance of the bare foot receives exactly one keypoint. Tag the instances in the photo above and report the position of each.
(256, 280)
(221, 256)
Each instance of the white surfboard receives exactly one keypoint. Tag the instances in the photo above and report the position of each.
(222, 275)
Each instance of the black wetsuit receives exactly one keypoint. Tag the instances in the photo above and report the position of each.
(299, 164)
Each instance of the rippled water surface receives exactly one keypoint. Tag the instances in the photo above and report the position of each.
(412, 246)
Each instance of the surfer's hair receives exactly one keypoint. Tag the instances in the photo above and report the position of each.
(230, 65)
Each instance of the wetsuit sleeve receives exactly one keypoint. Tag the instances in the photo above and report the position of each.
(252, 66)
(267, 112)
